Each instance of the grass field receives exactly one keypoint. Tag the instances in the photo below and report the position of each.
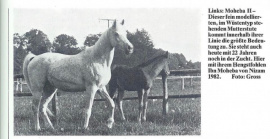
(183, 118)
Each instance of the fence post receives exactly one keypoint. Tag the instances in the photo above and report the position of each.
(55, 108)
(17, 85)
(165, 94)
(183, 83)
(21, 84)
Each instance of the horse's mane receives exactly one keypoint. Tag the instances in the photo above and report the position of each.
(151, 61)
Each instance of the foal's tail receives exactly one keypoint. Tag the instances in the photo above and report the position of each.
(26, 62)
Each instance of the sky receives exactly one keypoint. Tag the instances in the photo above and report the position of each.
(171, 29)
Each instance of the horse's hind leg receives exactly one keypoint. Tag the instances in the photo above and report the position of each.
(35, 107)
(145, 98)
(105, 94)
(36, 98)
(46, 98)
(120, 102)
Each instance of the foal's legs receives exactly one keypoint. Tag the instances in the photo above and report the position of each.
(55, 108)
(145, 98)
(49, 112)
(90, 96)
(120, 102)
(46, 98)
(140, 96)
(104, 94)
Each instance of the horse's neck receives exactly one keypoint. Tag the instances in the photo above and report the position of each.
(102, 52)
(154, 68)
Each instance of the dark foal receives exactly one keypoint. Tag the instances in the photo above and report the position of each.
(139, 78)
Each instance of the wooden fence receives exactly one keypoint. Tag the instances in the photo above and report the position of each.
(177, 74)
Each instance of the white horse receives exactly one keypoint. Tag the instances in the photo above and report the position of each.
(87, 71)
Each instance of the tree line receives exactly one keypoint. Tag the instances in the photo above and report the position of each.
(37, 42)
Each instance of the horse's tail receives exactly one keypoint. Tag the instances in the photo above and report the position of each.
(26, 62)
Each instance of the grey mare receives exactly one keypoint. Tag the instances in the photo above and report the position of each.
(87, 71)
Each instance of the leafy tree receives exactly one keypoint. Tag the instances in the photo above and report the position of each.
(177, 61)
(182, 60)
(190, 65)
(141, 39)
(91, 39)
(197, 65)
(17, 40)
(65, 44)
(37, 41)
(143, 51)
(19, 53)
(143, 45)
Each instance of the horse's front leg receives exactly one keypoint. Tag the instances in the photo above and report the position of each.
(104, 94)
(140, 96)
(145, 98)
(90, 96)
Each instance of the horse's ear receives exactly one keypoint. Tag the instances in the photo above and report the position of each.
(114, 24)
(123, 21)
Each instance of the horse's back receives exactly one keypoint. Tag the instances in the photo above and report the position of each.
(42, 62)
(67, 74)
(38, 68)
(131, 79)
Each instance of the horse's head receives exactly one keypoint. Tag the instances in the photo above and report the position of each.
(118, 37)
(166, 69)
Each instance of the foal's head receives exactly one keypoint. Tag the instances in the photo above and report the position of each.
(166, 65)
(166, 69)
(118, 37)
(157, 65)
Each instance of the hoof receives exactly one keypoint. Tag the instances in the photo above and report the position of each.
(123, 119)
(139, 120)
(110, 123)
(85, 129)
(49, 129)
(55, 130)
(143, 119)
(62, 129)
(37, 129)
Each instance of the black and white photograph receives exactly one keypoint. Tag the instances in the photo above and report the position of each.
(107, 71)
(134, 68)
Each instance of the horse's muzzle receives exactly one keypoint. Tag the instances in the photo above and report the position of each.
(129, 49)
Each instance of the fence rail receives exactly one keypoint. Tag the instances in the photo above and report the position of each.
(185, 72)
(178, 75)
(161, 97)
